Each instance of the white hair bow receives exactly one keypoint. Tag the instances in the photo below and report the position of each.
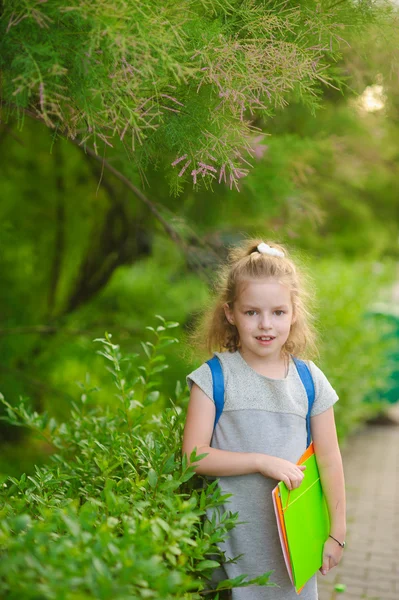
(266, 249)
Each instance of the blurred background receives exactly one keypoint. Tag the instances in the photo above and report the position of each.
(136, 145)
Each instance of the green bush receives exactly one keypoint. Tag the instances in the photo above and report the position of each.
(117, 512)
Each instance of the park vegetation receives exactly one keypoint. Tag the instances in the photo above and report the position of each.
(115, 512)
(138, 140)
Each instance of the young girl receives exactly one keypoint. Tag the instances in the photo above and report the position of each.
(259, 321)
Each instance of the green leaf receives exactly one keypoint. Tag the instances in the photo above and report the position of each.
(21, 522)
(170, 464)
(100, 566)
(194, 457)
(178, 388)
(153, 396)
(159, 369)
(158, 358)
(203, 565)
(152, 478)
(145, 347)
(72, 525)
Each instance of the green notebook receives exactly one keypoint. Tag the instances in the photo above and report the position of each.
(306, 522)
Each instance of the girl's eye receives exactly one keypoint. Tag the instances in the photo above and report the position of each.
(250, 312)
(279, 312)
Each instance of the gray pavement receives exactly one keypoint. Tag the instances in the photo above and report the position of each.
(370, 566)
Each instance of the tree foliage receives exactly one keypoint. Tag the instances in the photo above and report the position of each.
(175, 84)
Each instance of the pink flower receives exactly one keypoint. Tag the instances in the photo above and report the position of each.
(222, 173)
(184, 168)
(239, 173)
(258, 148)
(41, 93)
(179, 160)
(207, 167)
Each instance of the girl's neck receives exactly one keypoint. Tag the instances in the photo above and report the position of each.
(274, 368)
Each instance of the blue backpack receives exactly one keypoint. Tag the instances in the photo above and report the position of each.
(218, 388)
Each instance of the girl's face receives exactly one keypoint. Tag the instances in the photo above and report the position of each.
(263, 315)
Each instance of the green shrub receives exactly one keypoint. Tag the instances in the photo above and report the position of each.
(117, 513)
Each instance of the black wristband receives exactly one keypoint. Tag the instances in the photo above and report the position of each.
(342, 544)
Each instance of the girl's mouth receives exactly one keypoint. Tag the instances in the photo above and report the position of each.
(265, 339)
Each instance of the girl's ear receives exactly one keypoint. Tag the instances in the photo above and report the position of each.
(229, 313)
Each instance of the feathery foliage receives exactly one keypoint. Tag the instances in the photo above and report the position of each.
(171, 83)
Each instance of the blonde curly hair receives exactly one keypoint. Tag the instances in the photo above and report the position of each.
(214, 332)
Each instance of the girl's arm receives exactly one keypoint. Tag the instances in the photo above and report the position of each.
(331, 471)
(198, 433)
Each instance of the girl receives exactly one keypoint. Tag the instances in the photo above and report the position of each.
(259, 321)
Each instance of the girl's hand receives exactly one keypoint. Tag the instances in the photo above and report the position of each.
(282, 470)
(332, 554)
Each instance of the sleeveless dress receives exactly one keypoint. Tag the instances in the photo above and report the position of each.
(267, 416)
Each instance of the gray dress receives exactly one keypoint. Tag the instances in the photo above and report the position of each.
(267, 416)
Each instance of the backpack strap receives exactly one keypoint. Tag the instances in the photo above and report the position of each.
(307, 380)
(218, 386)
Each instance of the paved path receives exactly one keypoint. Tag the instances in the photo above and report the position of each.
(370, 567)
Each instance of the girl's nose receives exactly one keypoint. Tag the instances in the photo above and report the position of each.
(265, 321)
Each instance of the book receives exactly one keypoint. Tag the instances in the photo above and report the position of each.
(303, 522)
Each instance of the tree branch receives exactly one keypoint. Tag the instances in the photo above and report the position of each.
(169, 230)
